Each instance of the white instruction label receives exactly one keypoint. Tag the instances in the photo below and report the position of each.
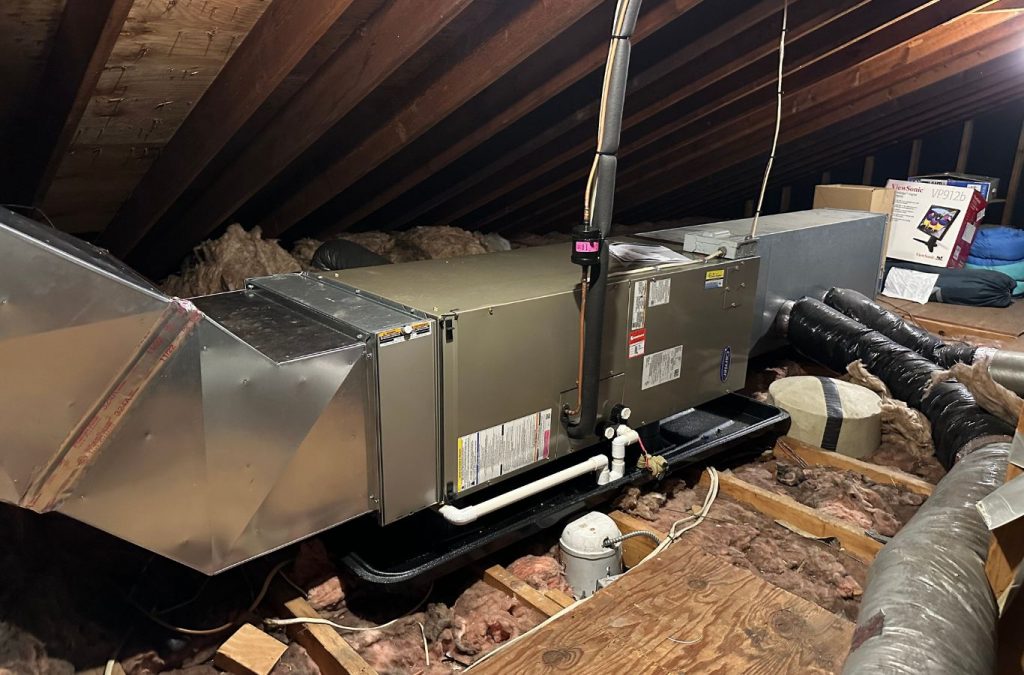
(639, 315)
(490, 453)
(660, 292)
(662, 367)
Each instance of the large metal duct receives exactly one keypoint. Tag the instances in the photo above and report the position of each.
(206, 434)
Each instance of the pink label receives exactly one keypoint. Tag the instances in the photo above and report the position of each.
(588, 246)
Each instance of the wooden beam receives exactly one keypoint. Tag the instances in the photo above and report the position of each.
(650, 21)
(636, 549)
(897, 72)
(1013, 186)
(392, 36)
(788, 510)
(561, 597)
(784, 198)
(86, 35)
(249, 651)
(500, 578)
(915, 157)
(277, 43)
(1006, 551)
(786, 448)
(965, 145)
(528, 31)
(869, 170)
(326, 647)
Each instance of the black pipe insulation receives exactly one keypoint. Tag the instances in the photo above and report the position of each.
(857, 306)
(959, 425)
(588, 246)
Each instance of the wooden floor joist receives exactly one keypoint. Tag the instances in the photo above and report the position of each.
(500, 578)
(792, 512)
(635, 549)
(788, 447)
(249, 651)
(326, 647)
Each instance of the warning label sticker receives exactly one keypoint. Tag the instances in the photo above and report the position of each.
(637, 342)
(490, 453)
(639, 315)
(662, 367)
(714, 279)
(660, 292)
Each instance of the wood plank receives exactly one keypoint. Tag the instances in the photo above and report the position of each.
(951, 330)
(162, 63)
(787, 446)
(684, 612)
(869, 170)
(85, 38)
(1006, 551)
(529, 30)
(500, 578)
(329, 651)
(787, 509)
(561, 597)
(249, 651)
(966, 135)
(1013, 186)
(391, 37)
(915, 157)
(275, 46)
(636, 549)
(650, 21)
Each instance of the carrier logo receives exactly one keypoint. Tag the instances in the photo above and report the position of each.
(725, 364)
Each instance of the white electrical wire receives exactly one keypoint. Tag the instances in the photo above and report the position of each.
(778, 121)
(328, 622)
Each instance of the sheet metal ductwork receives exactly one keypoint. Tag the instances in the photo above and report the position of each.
(205, 436)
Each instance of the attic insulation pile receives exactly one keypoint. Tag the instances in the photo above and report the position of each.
(814, 570)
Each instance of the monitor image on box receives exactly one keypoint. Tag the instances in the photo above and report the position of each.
(935, 224)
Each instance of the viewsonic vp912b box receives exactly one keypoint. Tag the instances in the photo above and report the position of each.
(933, 224)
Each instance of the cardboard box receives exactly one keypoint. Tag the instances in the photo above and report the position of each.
(986, 185)
(934, 224)
(859, 198)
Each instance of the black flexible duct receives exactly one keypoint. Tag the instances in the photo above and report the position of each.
(589, 248)
(857, 306)
(958, 424)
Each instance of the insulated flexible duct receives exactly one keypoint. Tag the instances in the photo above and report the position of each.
(959, 425)
(857, 306)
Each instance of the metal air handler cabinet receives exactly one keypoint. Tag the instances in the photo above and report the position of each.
(485, 389)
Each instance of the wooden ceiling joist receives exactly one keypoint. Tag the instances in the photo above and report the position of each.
(531, 29)
(698, 152)
(390, 38)
(650, 21)
(277, 43)
(85, 37)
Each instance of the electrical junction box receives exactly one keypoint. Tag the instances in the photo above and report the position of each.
(676, 335)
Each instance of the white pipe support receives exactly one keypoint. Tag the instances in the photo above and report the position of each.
(468, 514)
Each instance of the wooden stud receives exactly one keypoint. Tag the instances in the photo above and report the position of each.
(965, 145)
(1013, 186)
(869, 170)
(273, 48)
(915, 157)
(788, 510)
(748, 208)
(787, 447)
(249, 651)
(561, 597)
(826, 177)
(784, 198)
(500, 578)
(329, 651)
(636, 549)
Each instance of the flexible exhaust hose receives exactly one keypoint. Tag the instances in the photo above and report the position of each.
(927, 606)
(959, 425)
(927, 595)
(857, 306)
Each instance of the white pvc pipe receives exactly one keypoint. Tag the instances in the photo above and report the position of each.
(467, 514)
(623, 436)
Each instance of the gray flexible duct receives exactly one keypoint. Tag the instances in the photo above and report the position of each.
(927, 607)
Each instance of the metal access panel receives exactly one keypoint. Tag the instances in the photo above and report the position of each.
(804, 253)
(676, 335)
(402, 353)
